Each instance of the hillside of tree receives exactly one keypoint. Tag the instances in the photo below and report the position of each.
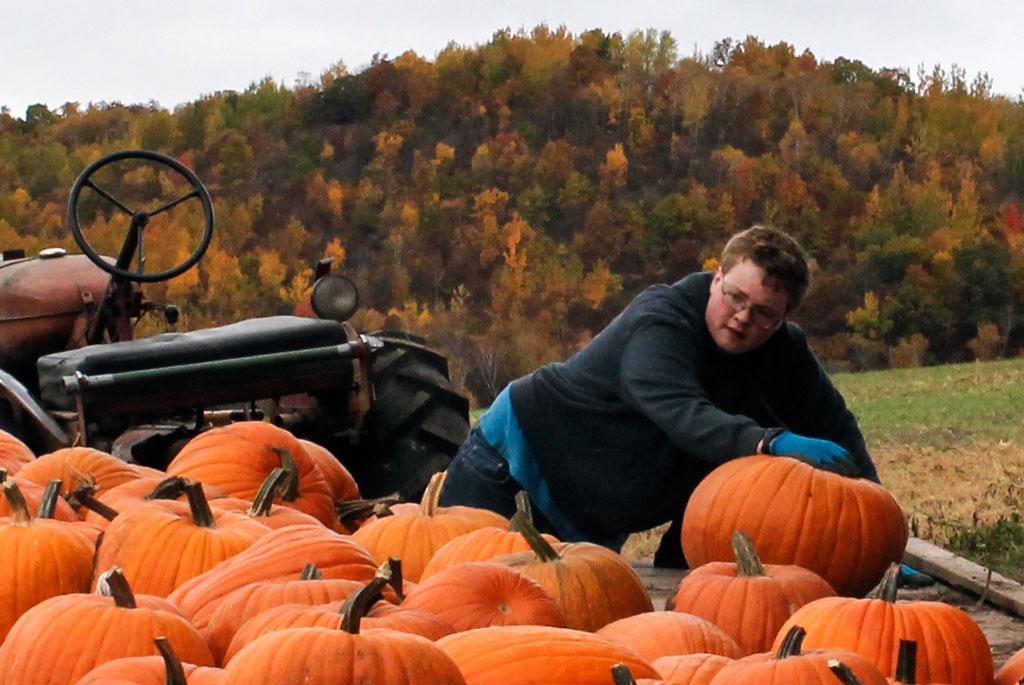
(506, 200)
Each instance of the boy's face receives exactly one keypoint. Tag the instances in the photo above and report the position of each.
(744, 310)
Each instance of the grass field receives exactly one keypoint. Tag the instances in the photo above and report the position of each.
(949, 444)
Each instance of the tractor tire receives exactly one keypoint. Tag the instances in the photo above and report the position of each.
(416, 423)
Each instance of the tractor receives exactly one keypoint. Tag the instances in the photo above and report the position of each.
(72, 372)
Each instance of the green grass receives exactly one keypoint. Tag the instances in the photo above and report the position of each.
(941, 405)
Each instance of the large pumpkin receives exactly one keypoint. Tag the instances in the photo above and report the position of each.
(63, 638)
(523, 655)
(13, 453)
(747, 599)
(690, 669)
(847, 530)
(951, 648)
(413, 534)
(655, 634)
(237, 458)
(792, 666)
(78, 467)
(41, 558)
(165, 669)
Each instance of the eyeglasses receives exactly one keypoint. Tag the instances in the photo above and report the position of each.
(759, 314)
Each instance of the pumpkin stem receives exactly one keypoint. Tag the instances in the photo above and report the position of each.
(82, 496)
(522, 506)
(175, 673)
(748, 564)
(541, 547)
(890, 583)
(396, 582)
(792, 643)
(48, 502)
(290, 488)
(114, 584)
(621, 675)
(264, 499)
(169, 488)
(359, 603)
(429, 503)
(202, 516)
(843, 672)
(311, 572)
(351, 512)
(19, 507)
(3, 475)
(906, 662)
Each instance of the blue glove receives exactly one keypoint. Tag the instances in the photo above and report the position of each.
(822, 454)
(911, 577)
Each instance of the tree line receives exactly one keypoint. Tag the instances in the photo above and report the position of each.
(507, 199)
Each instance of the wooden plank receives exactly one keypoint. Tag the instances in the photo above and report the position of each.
(951, 569)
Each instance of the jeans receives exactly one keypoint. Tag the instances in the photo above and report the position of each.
(478, 476)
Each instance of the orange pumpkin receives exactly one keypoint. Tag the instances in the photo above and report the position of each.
(163, 543)
(1012, 672)
(950, 646)
(239, 606)
(747, 599)
(413, 534)
(33, 495)
(663, 633)
(591, 585)
(481, 594)
(523, 655)
(343, 655)
(165, 669)
(13, 453)
(79, 466)
(791, 666)
(690, 669)
(621, 675)
(41, 558)
(280, 554)
(847, 530)
(102, 627)
(262, 507)
(123, 498)
(484, 543)
(237, 458)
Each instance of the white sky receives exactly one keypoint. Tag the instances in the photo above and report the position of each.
(174, 51)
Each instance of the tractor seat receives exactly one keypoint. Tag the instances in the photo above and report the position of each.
(268, 335)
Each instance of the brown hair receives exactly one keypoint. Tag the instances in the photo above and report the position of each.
(779, 254)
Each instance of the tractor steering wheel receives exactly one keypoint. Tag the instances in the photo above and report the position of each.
(133, 242)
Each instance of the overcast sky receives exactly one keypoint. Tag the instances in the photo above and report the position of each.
(174, 51)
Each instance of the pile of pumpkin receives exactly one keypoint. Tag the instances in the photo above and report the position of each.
(234, 567)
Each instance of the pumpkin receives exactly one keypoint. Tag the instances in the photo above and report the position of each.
(379, 615)
(238, 457)
(1012, 672)
(664, 633)
(13, 453)
(950, 646)
(32, 493)
(280, 554)
(124, 497)
(247, 601)
(414, 533)
(690, 669)
(343, 486)
(523, 655)
(484, 543)
(41, 558)
(591, 585)
(61, 639)
(165, 669)
(333, 656)
(791, 666)
(262, 507)
(847, 530)
(481, 594)
(163, 543)
(747, 599)
(79, 466)
(621, 675)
